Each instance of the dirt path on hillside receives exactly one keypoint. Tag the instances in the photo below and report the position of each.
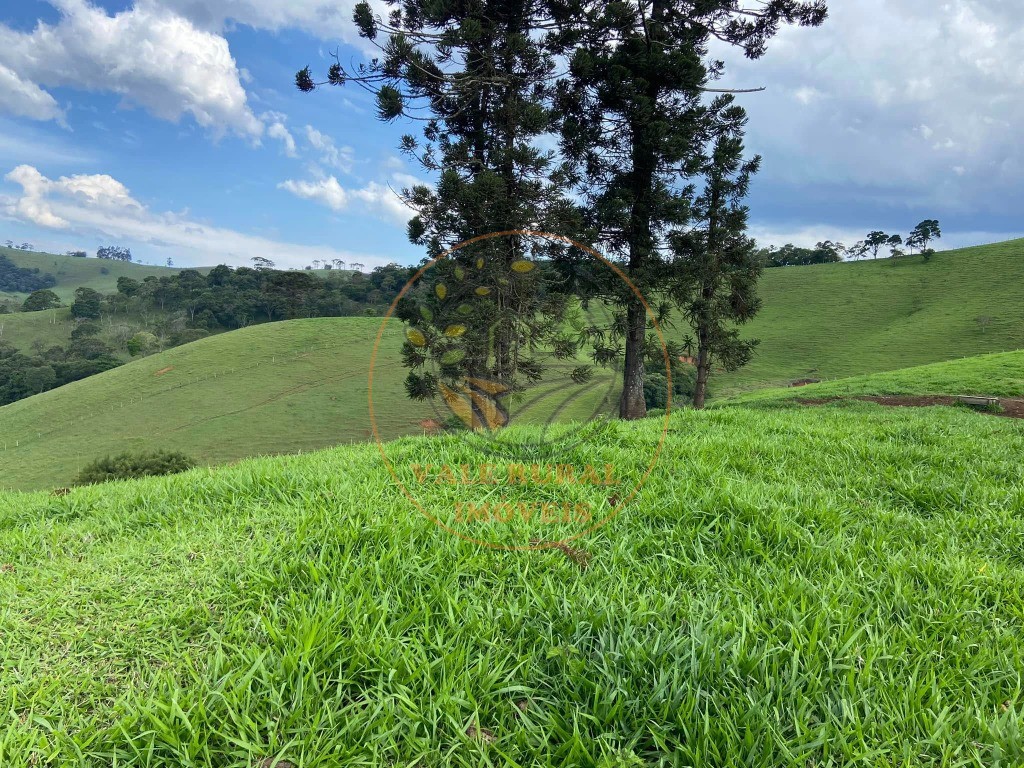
(1013, 407)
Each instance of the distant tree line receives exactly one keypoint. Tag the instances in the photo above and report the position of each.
(789, 255)
(15, 279)
(114, 253)
(827, 251)
(182, 308)
(919, 239)
(23, 375)
(228, 298)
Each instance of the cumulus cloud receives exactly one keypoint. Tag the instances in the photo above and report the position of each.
(22, 98)
(377, 199)
(895, 95)
(323, 19)
(327, 192)
(149, 55)
(101, 205)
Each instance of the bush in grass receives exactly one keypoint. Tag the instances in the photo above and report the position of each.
(85, 330)
(38, 300)
(187, 336)
(141, 343)
(128, 465)
(684, 381)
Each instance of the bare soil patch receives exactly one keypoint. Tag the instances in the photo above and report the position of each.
(1012, 407)
(162, 371)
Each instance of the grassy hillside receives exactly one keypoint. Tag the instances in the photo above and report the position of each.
(49, 327)
(835, 320)
(267, 389)
(814, 587)
(822, 321)
(996, 375)
(72, 272)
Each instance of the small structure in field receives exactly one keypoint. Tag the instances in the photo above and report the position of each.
(977, 401)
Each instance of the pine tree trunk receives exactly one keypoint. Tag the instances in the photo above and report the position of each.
(703, 370)
(632, 404)
(705, 318)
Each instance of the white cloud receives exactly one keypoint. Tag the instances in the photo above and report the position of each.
(327, 192)
(150, 56)
(330, 153)
(806, 95)
(24, 99)
(278, 130)
(913, 87)
(101, 205)
(377, 199)
(323, 19)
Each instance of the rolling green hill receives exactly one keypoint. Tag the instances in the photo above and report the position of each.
(822, 321)
(835, 320)
(48, 327)
(997, 375)
(834, 586)
(72, 272)
(266, 389)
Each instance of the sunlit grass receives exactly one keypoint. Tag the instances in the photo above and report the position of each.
(996, 375)
(836, 320)
(829, 586)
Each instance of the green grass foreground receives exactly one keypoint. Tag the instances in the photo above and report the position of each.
(834, 586)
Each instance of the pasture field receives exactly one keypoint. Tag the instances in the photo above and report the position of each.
(830, 586)
(997, 375)
(309, 391)
(48, 327)
(72, 272)
(836, 320)
(285, 387)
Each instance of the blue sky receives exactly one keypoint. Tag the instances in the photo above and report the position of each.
(172, 126)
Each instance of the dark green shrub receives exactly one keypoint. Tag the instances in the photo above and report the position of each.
(187, 336)
(684, 381)
(85, 330)
(128, 465)
(38, 300)
(86, 304)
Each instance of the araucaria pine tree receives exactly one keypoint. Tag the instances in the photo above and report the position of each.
(715, 261)
(632, 131)
(478, 77)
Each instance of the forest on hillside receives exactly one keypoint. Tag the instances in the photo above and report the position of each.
(156, 313)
